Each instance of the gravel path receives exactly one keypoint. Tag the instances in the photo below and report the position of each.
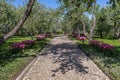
(62, 60)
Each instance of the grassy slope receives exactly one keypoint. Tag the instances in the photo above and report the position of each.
(110, 64)
(11, 62)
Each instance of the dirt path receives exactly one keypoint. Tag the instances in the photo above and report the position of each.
(62, 60)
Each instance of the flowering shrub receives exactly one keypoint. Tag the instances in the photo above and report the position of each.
(40, 37)
(101, 45)
(28, 42)
(94, 42)
(81, 38)
(47, 34)
(106, 46)
(18, 45)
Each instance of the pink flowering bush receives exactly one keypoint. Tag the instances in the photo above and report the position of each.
(47, 34)
(106, 46)
(28, 42)
(101, 45)
(81, 38)
(94, 42)
(41, 37)
(18, 45)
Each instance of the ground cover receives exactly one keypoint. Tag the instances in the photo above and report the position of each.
(12, 61)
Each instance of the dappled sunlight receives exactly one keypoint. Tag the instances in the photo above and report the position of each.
(67, 55)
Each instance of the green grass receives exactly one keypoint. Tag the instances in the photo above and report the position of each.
(109, 63)
(11, 62)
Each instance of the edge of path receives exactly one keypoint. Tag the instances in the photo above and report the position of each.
(94, 62)
(25, 68)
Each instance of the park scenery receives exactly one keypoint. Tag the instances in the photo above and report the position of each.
(28, 26)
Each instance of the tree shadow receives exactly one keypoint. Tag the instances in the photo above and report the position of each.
(69, 58)
(8, 55)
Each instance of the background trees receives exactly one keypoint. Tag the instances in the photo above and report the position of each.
(19, 24)
(103, 22)
(72, 16)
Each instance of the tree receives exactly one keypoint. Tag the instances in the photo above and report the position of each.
(94, 21)
(20, 23)
(115, 11)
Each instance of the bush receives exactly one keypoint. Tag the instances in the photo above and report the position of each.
(41, 37)
(103, 46)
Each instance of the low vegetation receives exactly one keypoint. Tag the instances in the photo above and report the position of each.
(12, 60)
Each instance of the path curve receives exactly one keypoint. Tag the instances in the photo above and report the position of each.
(62, 60)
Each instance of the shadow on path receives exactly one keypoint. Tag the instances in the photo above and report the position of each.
(68, 56)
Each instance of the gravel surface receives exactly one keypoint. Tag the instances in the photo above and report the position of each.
(62, 60)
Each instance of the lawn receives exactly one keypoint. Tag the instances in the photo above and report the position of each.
(109, 63)
(11, 62)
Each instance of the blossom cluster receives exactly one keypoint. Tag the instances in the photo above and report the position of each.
(18, 45)
(41, 37)
(27, 43)
(82, 38)
(22, 45)
(101, 45)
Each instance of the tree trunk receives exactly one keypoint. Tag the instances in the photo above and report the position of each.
(101, 33)
(94, 24)
(117, 30)
(84, 27)
(20, 23)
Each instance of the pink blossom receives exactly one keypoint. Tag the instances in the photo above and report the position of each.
(106, 46)
(40, 37)
(101, 45)
(18, 45)
(82, 38)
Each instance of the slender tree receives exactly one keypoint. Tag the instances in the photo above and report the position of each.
(94, 22)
